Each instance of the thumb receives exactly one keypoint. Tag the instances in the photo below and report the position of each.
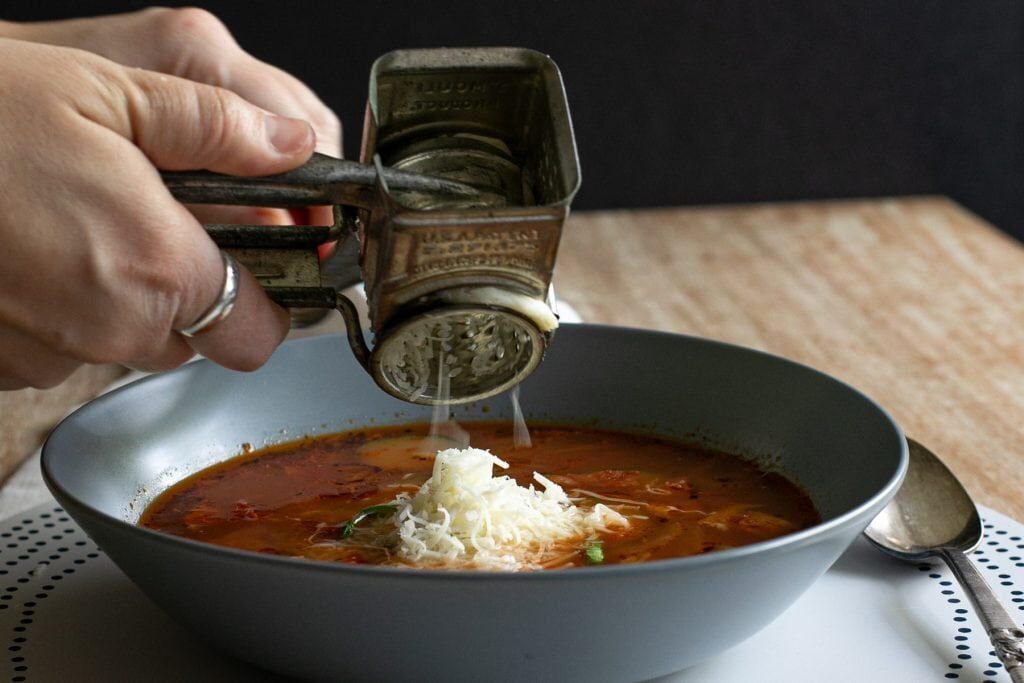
(180, 124)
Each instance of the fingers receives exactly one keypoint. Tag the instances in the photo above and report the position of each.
(171, 353)
(241, 341)
(239, 215)
(193, 43)
(219, 131)
(279, 92)
(179, 125)
(208, 54)
(246, 338)
(321, 215)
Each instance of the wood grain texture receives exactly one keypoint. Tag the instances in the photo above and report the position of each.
(916, 302)
(28, 415)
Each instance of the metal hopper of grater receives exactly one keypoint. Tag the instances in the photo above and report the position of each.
(452, 219)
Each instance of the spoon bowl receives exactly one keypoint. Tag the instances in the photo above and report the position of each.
(932, 515)
(931, 510)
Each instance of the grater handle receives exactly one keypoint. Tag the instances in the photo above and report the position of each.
(322, 180)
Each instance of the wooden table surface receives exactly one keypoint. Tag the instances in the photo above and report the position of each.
(916, 302)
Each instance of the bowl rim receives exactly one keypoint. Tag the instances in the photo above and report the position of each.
(766, 548)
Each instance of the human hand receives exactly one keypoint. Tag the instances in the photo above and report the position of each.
(192, 43)
(101, 263)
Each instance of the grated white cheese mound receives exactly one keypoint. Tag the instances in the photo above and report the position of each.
(464, 517)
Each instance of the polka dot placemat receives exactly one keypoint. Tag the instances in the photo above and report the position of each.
(68, 614)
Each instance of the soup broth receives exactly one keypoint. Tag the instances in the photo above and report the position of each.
(295, 499)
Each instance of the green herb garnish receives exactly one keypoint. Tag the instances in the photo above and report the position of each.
(373, 510)
(595, 552)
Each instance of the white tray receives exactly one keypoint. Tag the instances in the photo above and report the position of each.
(69, 614)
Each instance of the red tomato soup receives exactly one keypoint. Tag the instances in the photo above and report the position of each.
(295, 499)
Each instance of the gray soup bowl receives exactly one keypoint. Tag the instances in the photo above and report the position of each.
(326, 622)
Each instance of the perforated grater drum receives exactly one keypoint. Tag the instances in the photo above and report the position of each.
(452, 219)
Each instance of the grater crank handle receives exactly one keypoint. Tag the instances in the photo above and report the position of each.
(322, 180)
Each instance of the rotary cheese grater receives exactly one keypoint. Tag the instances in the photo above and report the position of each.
(452, 218)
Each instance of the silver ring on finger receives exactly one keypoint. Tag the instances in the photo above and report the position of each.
(221, 308)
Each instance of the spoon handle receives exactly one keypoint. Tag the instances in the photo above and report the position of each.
(1007, 639)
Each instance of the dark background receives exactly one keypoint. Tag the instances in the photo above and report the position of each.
(696, 102)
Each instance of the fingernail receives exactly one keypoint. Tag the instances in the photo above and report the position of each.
(288, 136)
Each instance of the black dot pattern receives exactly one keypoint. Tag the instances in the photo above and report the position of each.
(999, 550)
(37, 552)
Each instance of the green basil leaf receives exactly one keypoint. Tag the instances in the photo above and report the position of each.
(350, 526)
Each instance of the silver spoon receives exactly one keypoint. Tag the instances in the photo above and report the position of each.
(933, 515)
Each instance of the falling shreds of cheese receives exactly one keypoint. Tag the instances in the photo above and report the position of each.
(465, 517)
